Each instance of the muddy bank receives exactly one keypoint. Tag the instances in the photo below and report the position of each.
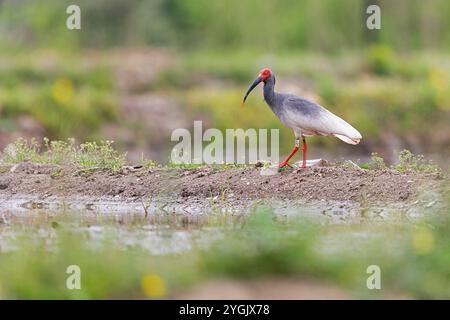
(317, 183)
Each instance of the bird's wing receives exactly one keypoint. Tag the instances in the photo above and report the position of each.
(314, 119)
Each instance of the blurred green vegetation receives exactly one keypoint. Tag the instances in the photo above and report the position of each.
(413, 257)
(381, 93)
(62, 92)
(269, 25)
(382, 99)
(392, 84)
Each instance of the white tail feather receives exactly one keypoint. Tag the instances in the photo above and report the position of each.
(322, 123)
(340, 128)
(346, 139)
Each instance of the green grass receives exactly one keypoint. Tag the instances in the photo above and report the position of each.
(90, 155)
(407, 162)
(376, 163)
(102, 156)
(416, 163)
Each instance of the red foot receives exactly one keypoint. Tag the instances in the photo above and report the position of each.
(284, 164)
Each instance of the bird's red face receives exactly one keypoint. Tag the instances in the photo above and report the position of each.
(265, 74)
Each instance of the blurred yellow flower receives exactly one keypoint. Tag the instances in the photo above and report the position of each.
(439, 79)
(154, 286)
(423, 241)
(62, 91)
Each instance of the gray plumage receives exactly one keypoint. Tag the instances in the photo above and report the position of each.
(307, 118)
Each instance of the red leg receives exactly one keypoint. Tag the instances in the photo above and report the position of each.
(285, 162)
(304, 149)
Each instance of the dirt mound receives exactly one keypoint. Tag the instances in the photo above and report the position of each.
(331, 183)
(317, 183)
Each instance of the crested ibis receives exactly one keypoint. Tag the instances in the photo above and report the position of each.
(304, 117)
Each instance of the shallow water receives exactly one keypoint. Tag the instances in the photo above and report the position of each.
(164, 227)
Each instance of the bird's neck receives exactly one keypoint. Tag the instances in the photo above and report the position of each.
(269, 90)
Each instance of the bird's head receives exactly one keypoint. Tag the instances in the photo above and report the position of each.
(263, 75)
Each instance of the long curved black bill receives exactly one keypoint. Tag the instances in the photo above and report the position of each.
(254, 84)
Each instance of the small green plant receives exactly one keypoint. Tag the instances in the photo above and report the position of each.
(57, 174)
(22, 150)
(102, 156)
(376, 162)
(416, 163)
(60, 152)
(90, 155)
(148, 163)
(173, 165)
